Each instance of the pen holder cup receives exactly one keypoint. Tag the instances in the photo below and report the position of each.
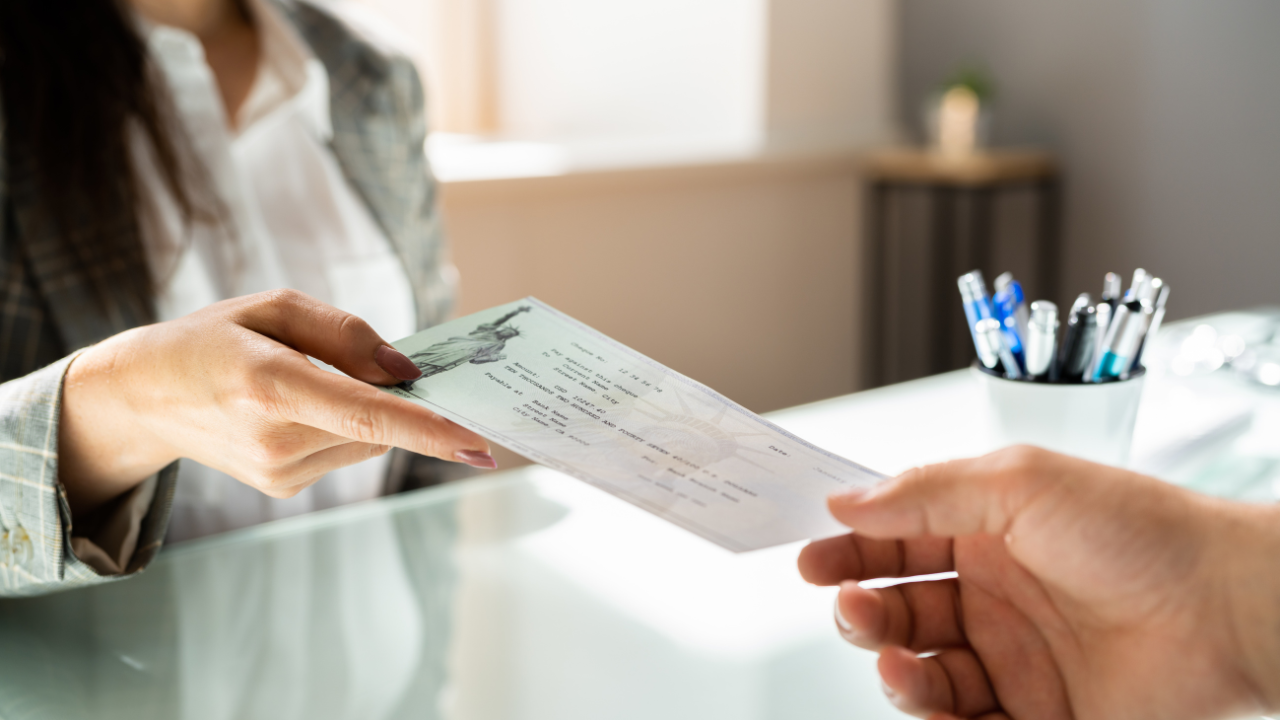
(1093, 421)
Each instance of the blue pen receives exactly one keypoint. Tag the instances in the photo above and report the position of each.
(973, 293)
(1020, 314)
(1008, 301)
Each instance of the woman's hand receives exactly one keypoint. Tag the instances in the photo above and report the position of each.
(1084, 591)
(231, 387)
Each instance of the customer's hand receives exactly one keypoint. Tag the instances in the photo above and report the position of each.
(231, 387)
(1084, 591)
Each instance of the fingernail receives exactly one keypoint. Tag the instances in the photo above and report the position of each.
(847, 630)
(475, 458)
(395, 363)
(845, 627)
(851, 495)
(888, 692)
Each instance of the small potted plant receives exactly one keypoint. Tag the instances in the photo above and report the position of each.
(958, 115)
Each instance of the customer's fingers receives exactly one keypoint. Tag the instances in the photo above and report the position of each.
(920, 616)
(854, 557)
(953, 681)
(366, 414)
(326, 333)
(961, 497)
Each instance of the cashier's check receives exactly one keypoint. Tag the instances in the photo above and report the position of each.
(563, 395)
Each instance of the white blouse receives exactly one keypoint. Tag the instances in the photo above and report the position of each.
(292, 221)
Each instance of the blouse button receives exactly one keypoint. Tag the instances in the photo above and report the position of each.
(20, 548)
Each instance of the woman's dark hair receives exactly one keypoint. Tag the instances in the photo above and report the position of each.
(74, 75)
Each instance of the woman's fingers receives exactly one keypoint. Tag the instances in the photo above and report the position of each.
(325, 333)
(920, 616)
(366, 414)
(303, 394)
(854, 557)
(292, 479)
(953, 681)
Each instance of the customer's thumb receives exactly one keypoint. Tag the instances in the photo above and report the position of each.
(960, 497)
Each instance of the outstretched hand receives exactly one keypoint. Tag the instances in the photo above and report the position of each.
(231, 386)
(1083, 591)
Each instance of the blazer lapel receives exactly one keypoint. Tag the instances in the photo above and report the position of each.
(367, 139)
(82, 314)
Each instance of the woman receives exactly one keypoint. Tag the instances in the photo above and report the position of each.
(174, 173)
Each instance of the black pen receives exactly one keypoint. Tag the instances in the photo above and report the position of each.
(1111, 290)
(1067, 366)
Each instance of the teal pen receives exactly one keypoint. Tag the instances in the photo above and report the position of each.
(1128, 328)
(1105, 311)
(1107, 336)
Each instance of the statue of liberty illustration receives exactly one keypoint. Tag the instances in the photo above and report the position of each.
(482, 345)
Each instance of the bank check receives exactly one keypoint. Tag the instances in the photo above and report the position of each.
(535, 380)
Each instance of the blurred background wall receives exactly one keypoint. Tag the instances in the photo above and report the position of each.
(688, 176)
(683, 176)
(1165, 115)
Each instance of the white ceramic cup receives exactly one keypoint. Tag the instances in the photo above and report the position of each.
(1093, 421)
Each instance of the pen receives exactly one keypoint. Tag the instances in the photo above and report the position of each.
(990, 328)
(973, 293)
(1105, 315)
(1020, 314)
(1132, 348)
(1157, 316)
(1005, 307)
(1122, 341)
(1070, 337)
(1111, 290)
(1140, 278)
(1150, 291)
(1021, 317)
(1076, 358)
(1096, 369)
(1082, 300)
(1042, 333)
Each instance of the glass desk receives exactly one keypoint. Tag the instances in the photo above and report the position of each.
(526, 595)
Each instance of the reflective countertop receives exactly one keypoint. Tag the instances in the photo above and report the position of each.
(527, 595)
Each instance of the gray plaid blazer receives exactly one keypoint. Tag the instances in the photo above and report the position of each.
(48, 311)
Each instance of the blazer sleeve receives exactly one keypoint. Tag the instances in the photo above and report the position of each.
(36, 553)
